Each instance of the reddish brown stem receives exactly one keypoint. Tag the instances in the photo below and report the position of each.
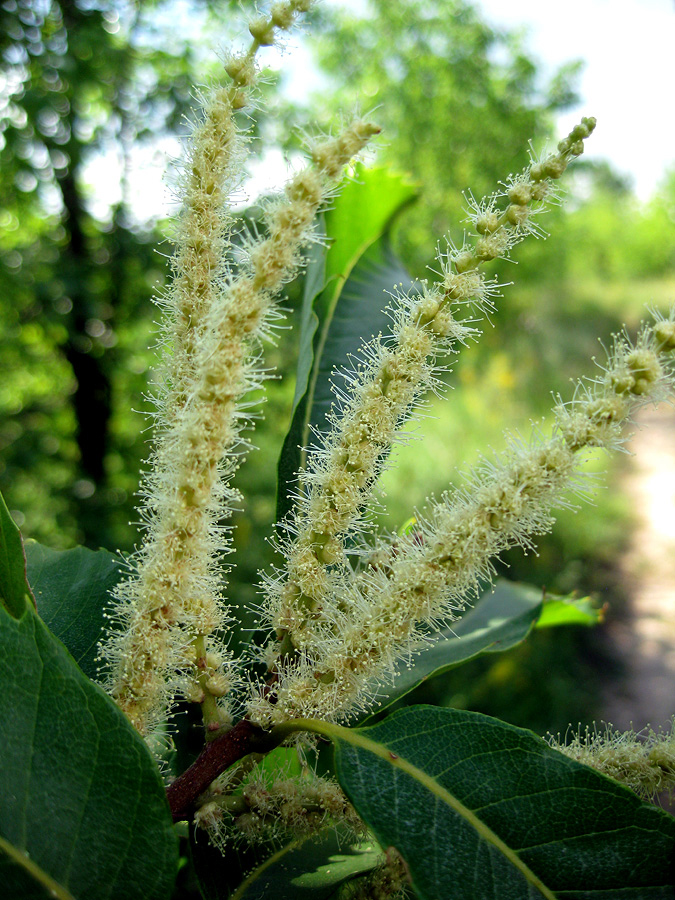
(217, 756)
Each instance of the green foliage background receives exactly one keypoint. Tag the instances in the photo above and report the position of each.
(76, 317)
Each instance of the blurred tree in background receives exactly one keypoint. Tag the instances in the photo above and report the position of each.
(458, 101)
(80, 83)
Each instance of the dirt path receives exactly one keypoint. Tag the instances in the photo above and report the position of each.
(645, 639)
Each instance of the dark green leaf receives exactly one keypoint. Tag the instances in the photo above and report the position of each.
(21, 878)
(290, 456)
(14, 589)
(305, 869)
(342, 303)
(481, 810)
(314, 869)
(72, 591)
(81, 800)
(358, 315)
(328, 860)
(362, 212)
(501, 619)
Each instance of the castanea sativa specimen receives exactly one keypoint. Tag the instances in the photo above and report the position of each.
(429, 801)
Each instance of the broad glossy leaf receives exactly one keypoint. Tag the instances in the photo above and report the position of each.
(21, 878)
(310, 870)
(72, 591)
(82, 805)
(342, 303)
(500, 619)
(358, 315)
(481, 810)
(305, 869)
(14, 589)
(362, 212)
(282, 762)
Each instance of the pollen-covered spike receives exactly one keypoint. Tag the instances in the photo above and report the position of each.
(369, 618)
(642, 761)
(171, 604)
(385, 382)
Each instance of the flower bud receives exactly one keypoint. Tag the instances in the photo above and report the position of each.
(517, 215)
(622, 382)
(584, 129)
(426, 310)
(219, 685)
(537, 172)
(282, 15)
(540, 190)
(464, 261)
(554, 167)
(262, 31)
(208, 815)
(487, 223)
(241, 70)
(664, 332)
(520, 193)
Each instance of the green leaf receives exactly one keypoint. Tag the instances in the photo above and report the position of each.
(314, 869)
(359, 315)
(342, 303)
(362, 212)
(570, 611)
(20, 877)
(265, 871)
(481, 810)
(282, 762)
(305, 869)
(14, 590)
(83, 811)
(72, 591)
(502, 618)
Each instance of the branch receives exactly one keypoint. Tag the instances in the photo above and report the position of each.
(217, 756)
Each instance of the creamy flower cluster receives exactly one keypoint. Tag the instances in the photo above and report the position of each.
(317, 586)
(170, 607)
(266, 807)
(345, 607)
(388, 881)
(426, 577)
(643, 762)
(390, 378)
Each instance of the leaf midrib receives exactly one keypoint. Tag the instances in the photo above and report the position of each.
(55, 889)
(356, 738)
(266, 864)
(340, 279)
